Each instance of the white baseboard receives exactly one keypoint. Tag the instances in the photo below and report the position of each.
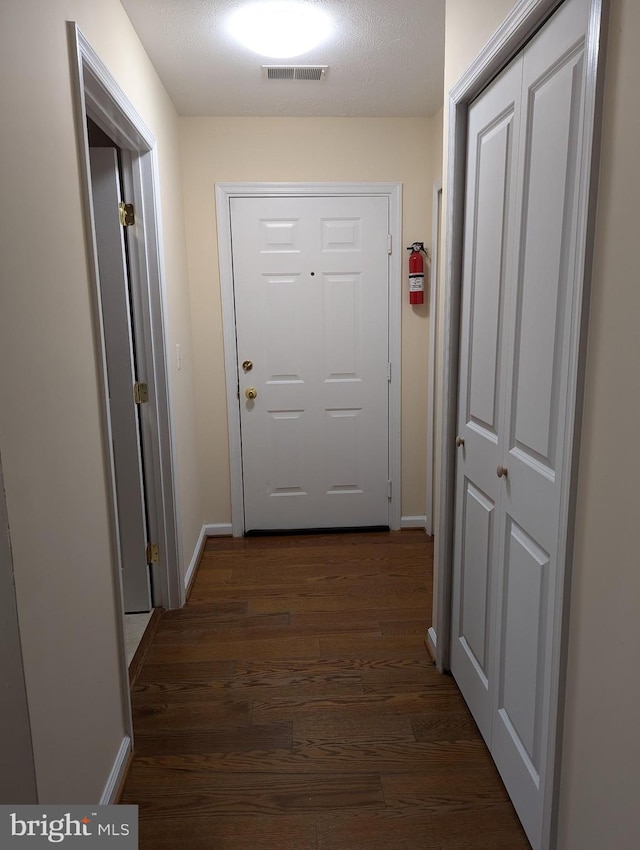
(432, 642)
(413, 521)
(195, 558)
(118, 773)
(216, 529)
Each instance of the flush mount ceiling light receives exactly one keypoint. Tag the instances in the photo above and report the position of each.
(279, 29)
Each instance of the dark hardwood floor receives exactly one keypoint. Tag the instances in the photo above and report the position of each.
(291, 705)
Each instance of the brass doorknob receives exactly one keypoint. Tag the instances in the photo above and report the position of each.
(247, 365)
(459, 442)
(251, 392)
(502, 471)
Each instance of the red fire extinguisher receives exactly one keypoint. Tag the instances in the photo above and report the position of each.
(416, 273)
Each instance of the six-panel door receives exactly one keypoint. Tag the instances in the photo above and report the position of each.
(311, 298)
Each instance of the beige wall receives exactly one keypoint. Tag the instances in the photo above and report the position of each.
(599, 781)
(601, 778)
(50, 423)
(300, 149)
(436, 142)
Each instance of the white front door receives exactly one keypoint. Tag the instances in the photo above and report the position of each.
(121, 376)
(311, 290)
(516, 357)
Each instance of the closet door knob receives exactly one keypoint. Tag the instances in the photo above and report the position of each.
(459, 442)
(502, 471)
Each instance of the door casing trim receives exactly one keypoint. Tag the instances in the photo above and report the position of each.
(519, 26)
(224, 193)
(98, 95)
(434, 285)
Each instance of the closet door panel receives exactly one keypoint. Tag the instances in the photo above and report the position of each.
(486, 290)
(523, 591)
(538, 330)
(490, 202)
(475, 577)
(545, 254)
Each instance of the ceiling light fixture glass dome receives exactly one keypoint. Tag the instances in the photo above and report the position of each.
(279, 29)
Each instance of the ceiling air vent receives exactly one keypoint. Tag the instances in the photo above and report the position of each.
(294, 72)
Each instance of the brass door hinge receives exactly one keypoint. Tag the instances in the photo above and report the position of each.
(127, 214)
(140, 393)
(153, 554)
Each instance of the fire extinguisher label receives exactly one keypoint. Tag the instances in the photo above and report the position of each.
(416, 283)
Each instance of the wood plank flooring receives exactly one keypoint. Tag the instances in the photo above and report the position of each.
(291, 705)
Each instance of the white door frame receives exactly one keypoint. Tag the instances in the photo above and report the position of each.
(434, 285)
(525, 19)
(224, 193)
(99, 96)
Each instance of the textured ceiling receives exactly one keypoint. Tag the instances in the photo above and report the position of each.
(386, 58)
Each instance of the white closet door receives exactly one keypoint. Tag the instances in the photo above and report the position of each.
(490, 205)
(119, 347)
(538, 328)
(519, 284)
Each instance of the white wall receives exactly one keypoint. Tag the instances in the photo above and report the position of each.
(300, 149)
(50, 422)
(600, 788)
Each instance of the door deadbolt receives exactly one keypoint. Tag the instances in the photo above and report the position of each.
(247, 365)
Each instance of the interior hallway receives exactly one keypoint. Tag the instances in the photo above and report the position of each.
(292, 704)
